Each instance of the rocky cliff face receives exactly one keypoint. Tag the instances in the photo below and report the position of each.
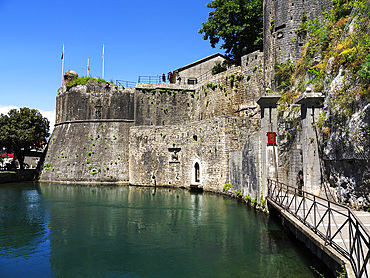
(335, 62)
(346, 155)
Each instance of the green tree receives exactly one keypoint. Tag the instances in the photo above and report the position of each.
(21, 130)
(237, 23)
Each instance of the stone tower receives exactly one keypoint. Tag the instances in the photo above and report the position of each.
(282, 20)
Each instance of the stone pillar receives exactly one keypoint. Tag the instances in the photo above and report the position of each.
(268, 104)
(311, 104)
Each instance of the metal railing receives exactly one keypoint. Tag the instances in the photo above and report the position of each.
(336, 224)
(150, 79)
(126, 84)
(158, 79)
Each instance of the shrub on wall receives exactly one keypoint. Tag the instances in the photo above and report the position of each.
(218, 67)
(82, 81)
(226, 187)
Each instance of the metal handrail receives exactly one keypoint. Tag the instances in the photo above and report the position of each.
(328, 220)
(158, 79)
(150, 79)
(126, 84)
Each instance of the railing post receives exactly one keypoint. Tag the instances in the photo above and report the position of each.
(329, 223)
(304, 206)
(357, 240)
(287, 197)
(314, 212)
(295, 200)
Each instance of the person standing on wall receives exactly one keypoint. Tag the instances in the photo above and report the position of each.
(169, 76)
(164, 78)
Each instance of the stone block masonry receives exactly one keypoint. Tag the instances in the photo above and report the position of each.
(163, 104)
(252, 69)
(94, 101)
(245, 173)
(191, 154)
(282, 21)
(88, 152)
(99, 124)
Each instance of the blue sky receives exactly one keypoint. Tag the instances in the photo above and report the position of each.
(141, 38)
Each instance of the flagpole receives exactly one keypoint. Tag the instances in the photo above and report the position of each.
(103, 62)
(88, 67)
(63, 66)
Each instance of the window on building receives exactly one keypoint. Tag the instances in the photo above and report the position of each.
(192, 81)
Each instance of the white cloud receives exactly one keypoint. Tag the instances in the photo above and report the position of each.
(5, 109)
(50, 115)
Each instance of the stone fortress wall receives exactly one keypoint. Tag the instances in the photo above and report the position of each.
(202, 135)
(95, 101)
(282, 21)
(177, 153)
(153, 134)
(90, 139)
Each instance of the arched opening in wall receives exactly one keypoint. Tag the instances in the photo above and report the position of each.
(196, 176)
(197, 172)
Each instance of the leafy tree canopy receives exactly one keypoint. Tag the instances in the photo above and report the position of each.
(237, 23)
(20, 130)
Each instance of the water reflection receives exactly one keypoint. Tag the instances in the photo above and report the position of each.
(111, 231)
(27, 216)
(23, 230)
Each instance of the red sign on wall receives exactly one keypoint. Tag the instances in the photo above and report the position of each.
(271, 137)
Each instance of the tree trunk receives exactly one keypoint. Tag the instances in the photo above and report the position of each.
(20, 156)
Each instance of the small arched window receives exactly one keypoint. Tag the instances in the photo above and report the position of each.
(197, 172)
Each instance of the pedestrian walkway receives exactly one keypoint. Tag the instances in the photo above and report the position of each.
(338, 226)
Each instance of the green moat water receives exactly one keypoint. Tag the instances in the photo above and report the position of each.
(55, 230)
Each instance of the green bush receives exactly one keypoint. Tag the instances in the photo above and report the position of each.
(232, 76)
(239, 193)
(365, 70)
(283, 74)
(211, 85)
(226, 187)
(82, 81)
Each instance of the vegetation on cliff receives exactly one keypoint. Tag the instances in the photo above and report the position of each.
(335, 60)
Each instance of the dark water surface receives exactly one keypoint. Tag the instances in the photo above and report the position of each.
(55, 230)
